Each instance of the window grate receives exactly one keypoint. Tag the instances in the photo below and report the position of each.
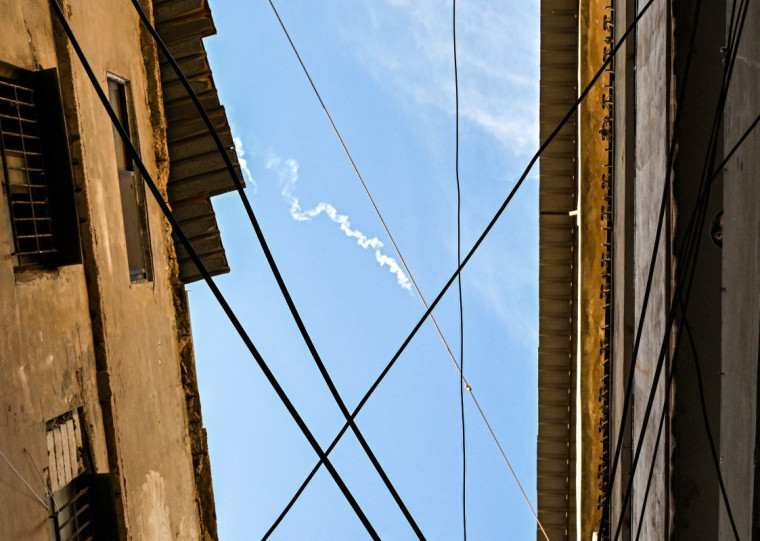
(74, 519)
(23, 171)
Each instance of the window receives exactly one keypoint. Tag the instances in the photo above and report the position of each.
(82, 502)
(133, 206)
(84, 510)
(36, 171)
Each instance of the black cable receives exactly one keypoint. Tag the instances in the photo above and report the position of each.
(697, 217)
(459, 278)
(705, 418)
(708, 431)
(606, 511)
(671, 377)
(204, 272)
(474, 248)
(275, 271)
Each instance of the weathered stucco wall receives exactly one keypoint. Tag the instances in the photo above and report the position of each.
(61, 328)
(47, 364)
(138, 323)
(741, 281)
(652, 128)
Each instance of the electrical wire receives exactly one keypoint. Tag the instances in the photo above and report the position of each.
(467, 386)
(21, 477)
(475, 247)
(650, 275)
(698, 374)
(459, 278)
(697, 217)
(275, 271)
(206, 276)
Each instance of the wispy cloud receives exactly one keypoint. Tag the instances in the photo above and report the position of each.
(244, 164)
(288, 173)
(497, 69)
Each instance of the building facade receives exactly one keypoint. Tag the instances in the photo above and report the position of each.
(649, 371)
(101, 431)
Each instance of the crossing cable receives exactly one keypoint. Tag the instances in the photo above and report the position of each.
(472, 251)
(275, 271)
(467, 386)
(705, 419)
(697, 217)
(606, 511)
(650, 275)
(206, 276)
(701, 207)
(459, 278)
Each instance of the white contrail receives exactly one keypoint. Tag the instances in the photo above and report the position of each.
(244, 164)
(288, 172)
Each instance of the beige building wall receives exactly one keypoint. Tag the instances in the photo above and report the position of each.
(652, 138)
(83, 336)
(741, 295)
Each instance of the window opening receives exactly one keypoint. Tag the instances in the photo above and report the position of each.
(134, 212)
(24, 175)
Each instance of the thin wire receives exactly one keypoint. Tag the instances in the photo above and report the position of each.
(459, 278)
(705, 418)
(477, 244)
(467, 386)
(24, 481)
(280, 281)
(44, 484)
(207, 277)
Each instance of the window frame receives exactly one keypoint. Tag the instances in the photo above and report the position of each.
(131, 187)
(52, 172)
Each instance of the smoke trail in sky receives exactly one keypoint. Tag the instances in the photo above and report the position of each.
(288, 172)
(244, 164)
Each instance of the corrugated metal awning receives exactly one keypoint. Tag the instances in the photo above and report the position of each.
(556, 275)
(197, 171)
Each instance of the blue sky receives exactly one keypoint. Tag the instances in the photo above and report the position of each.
(385, 71)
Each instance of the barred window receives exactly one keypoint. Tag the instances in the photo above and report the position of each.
(24, 173)
(35, 172)
(84, 510)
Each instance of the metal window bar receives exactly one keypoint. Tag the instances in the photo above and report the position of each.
(24, 177)
(79, 525)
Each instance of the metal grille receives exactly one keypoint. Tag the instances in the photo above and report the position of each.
(24, 178)
(74, 519)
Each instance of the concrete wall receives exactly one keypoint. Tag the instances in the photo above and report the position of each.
(741, 283)
(652, 137)
(61, 327)
(695, 490)
(622, 270)
(47, 360)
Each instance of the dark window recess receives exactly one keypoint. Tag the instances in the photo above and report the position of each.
(36, 172)
(134, 211)
(84, 510)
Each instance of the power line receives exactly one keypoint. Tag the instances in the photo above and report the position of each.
(206, 276)
(459, 278)
(21, 477)
(697, 217)
(477, 244)
(467, 386)
(650, 276)
(275, 271)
